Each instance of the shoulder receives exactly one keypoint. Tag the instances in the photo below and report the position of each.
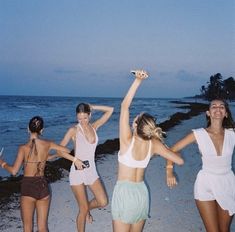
(156, 144)
(22, 147)
(72, 130)
(44, 142)
(230, 131)
(198, 130)
(94, 125)
(155, 141)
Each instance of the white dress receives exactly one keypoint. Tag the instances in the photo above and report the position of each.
(216, 180)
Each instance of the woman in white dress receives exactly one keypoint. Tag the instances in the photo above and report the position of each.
(214, 189)
(85, 139)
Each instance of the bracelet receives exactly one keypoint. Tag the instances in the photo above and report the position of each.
(169, 166)
(75, 159)
(3, 164)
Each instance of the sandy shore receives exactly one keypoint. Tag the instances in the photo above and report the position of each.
(172, 210)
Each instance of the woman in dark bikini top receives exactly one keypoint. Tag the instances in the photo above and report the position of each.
(34, 187)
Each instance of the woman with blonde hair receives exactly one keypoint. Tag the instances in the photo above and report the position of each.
(130, 201)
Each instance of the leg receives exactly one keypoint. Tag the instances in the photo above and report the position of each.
(137, 227)
(27, 212)
(42, 208)
(120, 226)
(224, 219)
(208, 212)
(79, 192)
(100, 199)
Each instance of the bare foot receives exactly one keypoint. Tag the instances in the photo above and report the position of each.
(89, 218)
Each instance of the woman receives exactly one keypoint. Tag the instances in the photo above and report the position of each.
(85, 140)
(35, 192)
(214, 189)
(130, 201)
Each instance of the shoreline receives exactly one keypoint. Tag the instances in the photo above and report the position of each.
(54, 169)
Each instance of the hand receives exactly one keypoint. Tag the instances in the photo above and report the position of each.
(170, 178)
(141, 74)
(1, 161)
(79, 164)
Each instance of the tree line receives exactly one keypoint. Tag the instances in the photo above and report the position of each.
(218, 88)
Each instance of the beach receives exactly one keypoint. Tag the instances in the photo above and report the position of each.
(171, 210)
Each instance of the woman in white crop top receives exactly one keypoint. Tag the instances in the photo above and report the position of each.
(84, 138)
(130, 201)
(214, 189)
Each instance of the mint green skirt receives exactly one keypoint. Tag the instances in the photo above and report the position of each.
(130, 202)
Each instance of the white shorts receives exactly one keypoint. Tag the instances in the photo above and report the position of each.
(209, 187)
(202, 188)
(86, 176)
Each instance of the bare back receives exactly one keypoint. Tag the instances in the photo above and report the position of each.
(35, 156)
(139, 152)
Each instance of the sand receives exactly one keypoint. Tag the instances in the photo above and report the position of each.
(172, 210)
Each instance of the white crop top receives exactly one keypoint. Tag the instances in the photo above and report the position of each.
(128, 160)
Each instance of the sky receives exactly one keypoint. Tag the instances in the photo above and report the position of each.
(87, 48)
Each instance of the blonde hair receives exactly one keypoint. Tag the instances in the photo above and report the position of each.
(146, 127)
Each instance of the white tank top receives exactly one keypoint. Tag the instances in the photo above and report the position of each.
(83, 149)
(128, 160)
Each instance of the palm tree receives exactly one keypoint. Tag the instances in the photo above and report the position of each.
(215, 87)
(229, 87)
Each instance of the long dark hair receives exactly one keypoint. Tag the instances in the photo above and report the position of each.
(35, 126)
(228, 121)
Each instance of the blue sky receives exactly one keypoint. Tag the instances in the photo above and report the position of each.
(87, 48)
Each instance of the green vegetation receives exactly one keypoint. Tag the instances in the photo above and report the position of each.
(218, 88)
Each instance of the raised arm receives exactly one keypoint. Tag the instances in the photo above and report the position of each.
(124, 124)
(104, 118)
(170, 177)
(13, 169)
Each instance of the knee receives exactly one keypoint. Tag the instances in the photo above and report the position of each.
(83, 209)
(42, 228)
(103, 202)
(28, 229)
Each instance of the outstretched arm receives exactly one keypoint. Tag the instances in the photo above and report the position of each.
(17, 164)
(104, 118)
(170, 177)
(165, 152)
(124, 125)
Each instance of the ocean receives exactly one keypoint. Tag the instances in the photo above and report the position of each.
(59, 114)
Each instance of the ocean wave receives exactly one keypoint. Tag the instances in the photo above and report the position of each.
(26, 106)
